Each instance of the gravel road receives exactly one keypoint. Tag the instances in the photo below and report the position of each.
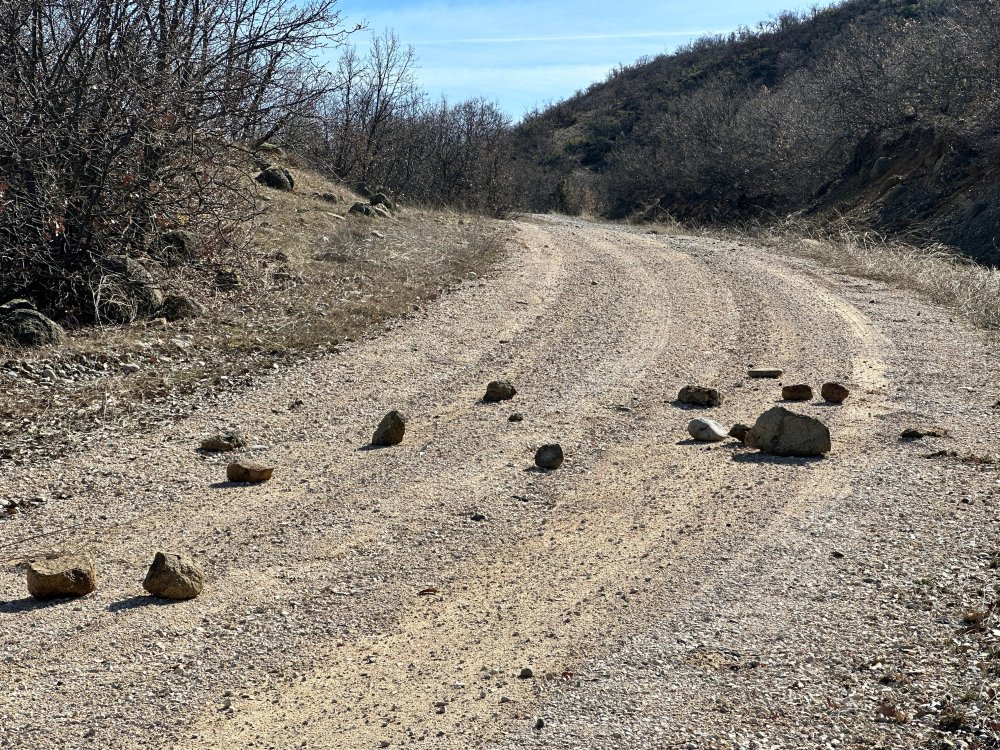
(663, 593)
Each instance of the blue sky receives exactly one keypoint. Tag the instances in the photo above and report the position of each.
(527, 54)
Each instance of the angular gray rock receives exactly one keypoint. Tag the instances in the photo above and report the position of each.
(26, 327)
(61, 574)
(698, 395)
(549, 456)
(173, 576)
(390, 430)
(499, 390)
(707, 430)
(781, 432)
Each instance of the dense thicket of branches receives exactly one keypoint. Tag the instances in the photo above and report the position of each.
(118, 120)
(379, 130)
(787, 116)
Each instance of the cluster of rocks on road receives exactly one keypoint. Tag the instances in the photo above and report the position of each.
(70, 574)
(778, 431)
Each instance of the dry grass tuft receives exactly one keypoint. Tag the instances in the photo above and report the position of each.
(944, 277)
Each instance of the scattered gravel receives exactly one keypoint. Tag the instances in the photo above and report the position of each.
(666, 595)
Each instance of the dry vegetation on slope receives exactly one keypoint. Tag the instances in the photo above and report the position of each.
(312, 276)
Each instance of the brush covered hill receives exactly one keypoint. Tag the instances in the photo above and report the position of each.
(883, 112)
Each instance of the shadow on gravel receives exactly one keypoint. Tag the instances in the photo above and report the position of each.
(227, 485)
(373, 447)
(765, 458)
(30, 604)
(134, 602)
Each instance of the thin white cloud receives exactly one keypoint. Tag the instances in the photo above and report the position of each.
(571, 37)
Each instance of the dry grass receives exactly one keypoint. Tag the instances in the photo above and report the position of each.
(936, 272)
(310, 277)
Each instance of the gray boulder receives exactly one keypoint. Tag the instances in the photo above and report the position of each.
(229, 439)
(174, 576)
(363, 209)
(781, 432)
(61, 574)
(175, 247)
(549, 456)
(707, 430)
(381, 199)
(126, 291)
(390, 430)
(698, 395)
(26, 327)
(180, 306)
(276, 178)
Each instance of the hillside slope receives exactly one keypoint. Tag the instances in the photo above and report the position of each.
(880, 110)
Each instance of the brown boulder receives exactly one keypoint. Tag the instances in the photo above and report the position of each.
(798, 392)
(61, 574)
(499, 390)
(698, 395)
(248, 471)
(739, 431)
(835, 393)
(174, 576)
(549, 456)
(390, 430)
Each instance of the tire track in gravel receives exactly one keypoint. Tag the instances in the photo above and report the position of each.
(459, 656)
(311, 611)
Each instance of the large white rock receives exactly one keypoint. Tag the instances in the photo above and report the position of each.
(707, 430)
(784, 433)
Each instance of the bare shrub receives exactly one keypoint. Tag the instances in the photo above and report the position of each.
(121, 120)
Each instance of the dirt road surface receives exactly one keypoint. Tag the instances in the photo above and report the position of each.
(663, 593)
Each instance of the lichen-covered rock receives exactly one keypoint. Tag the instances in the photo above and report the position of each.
(26, 327)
